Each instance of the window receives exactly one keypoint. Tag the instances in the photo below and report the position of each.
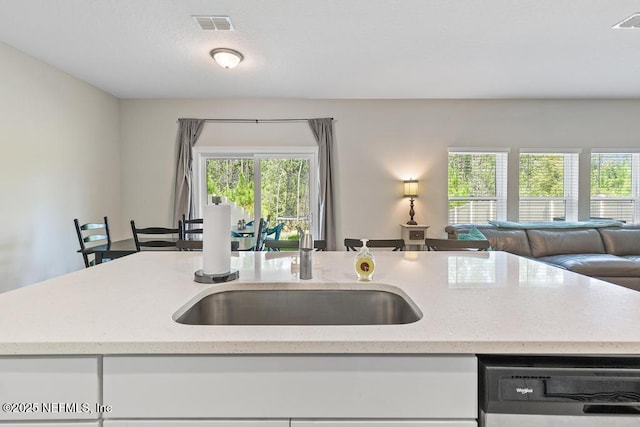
(548, 186)
(477, 186)
(278, 184)
(614, 186)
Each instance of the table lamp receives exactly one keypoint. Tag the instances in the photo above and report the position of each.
(411, 190)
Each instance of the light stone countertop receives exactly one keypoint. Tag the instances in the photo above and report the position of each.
(472, 303)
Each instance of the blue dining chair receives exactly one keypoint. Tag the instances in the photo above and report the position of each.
(261, 235)
(275, 232)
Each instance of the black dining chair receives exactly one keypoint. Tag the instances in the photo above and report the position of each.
(160, 237)
(89, 235)
(192, 229)
(456, 245)
(394, 244)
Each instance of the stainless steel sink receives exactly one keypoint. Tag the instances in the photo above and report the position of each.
(301, 307)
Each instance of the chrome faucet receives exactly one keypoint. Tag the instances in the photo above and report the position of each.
(306, 247)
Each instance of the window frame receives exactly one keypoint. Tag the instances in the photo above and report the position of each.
(501, 183)
(202, 154)
(571, 180)
(635, 180)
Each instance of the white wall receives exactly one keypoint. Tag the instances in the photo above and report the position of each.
(379, 143)
(60, 160)
(148, 130)
(70, 150)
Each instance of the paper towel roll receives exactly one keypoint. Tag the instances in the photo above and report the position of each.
(216, 239)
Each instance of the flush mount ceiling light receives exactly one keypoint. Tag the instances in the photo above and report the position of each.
(226, 58)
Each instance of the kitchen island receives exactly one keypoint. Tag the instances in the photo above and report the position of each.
(491, 302)
(110, 331)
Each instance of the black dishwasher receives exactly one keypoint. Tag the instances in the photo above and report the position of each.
(554, 391)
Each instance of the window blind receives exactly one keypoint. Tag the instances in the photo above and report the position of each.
(477, 186)
(614, 186)
(548, 186)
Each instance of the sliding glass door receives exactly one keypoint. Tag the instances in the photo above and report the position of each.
(285, 188)
(233, 180)
(275, 185)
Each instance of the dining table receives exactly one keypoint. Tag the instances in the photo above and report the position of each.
(246, 231)
(120, 248)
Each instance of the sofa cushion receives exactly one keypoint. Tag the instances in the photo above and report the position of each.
(513, 241)
(567, 241)
(455, 230)
(595, 265)
(472, 234)
(620, 241)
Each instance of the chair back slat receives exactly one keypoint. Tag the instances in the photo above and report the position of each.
(394, 244)
(92, 226)
(455, 245)
(157, 230)
(94, 238)
(172, 235)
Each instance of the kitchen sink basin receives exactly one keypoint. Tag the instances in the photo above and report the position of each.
(301, 307)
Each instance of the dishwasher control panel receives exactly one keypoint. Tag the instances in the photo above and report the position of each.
(550, 385)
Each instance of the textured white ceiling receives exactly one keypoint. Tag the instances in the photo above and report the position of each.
(337, 48)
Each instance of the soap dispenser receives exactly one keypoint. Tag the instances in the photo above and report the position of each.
(365, 263)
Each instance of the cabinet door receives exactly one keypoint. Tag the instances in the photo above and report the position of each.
(48, 424)
(48, 388)
(385, 423)
(291, 386)
(197, 423)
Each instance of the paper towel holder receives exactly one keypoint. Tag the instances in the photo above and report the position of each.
(202, 277)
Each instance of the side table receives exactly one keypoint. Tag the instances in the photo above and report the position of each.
(414, 236)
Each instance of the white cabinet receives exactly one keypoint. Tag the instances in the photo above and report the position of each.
(291, 386)
(286, 423)
(382, 423)
(52, 424)
(239, 391)
(197, 423)
(48, 388)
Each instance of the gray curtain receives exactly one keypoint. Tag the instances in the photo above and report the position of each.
(188, 132)
(323, 132)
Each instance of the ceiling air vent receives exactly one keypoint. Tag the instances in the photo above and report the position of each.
(214, 23)
(630, 23)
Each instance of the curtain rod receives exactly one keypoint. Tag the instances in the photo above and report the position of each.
(256, 120)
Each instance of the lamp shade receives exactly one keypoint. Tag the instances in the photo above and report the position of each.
(411, 188)
(226, 58)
